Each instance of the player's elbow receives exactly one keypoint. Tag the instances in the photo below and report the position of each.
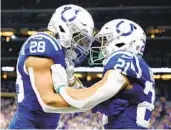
(47, 100)
(45, 109)
(61, 103)
(54, 102)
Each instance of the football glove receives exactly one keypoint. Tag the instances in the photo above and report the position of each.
(59, 76)
(76, 84)
(72, 80)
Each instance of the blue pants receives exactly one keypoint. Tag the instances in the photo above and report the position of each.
(20, 122)
(33, 120)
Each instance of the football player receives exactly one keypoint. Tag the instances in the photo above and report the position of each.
(71, 29)
(125, 94)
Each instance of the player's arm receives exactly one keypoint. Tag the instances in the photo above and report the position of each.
(115, 78)
(87, 98)
(41, 80)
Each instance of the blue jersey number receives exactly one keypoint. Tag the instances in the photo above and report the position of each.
(37, 46)
(19, 86)
(121, 63)
(145, 108)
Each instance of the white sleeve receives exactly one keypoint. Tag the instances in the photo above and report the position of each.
(111, 87)
(46, 108)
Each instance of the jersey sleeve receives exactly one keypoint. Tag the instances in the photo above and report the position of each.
(124, 62)
(43, 45)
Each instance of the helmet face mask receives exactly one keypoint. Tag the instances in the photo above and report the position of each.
(121, 34)
(74, 26)
(106, 41)
(81, 38)
(80, 46)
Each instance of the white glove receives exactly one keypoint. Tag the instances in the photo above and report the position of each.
(72, 80)
(77, 83)
(59, 76)
(70, 74)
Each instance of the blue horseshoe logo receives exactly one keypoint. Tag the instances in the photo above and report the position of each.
(72, 18)
(127, 33)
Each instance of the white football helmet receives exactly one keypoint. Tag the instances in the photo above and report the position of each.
(73, 26)
(121, 34)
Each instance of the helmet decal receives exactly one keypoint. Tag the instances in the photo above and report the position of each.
(70, 19)
(127, 33)
(73, 26)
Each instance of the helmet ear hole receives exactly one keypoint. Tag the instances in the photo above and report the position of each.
(120, 44)
(61, 29)
(57, 35)
(134, 26)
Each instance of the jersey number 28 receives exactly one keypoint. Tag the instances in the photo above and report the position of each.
(37, 46)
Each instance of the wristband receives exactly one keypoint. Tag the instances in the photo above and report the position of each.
(58, 91)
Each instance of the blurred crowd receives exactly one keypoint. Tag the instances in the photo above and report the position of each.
(161, 117)
(86, 120)
(8, 109)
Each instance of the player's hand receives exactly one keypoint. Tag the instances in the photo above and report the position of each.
(70, 74)
(76, 84)
(69, 71)
(72, 80)
(59, 76)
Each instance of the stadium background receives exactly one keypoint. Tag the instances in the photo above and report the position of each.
(22, 18)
